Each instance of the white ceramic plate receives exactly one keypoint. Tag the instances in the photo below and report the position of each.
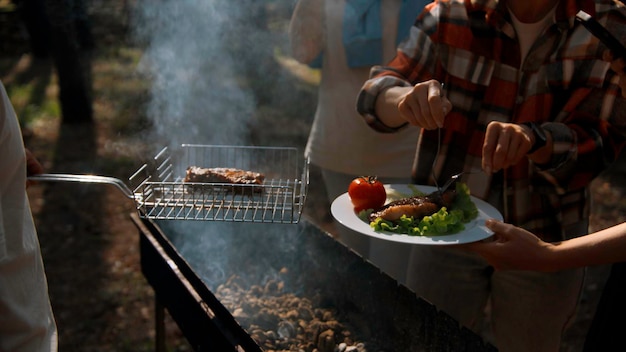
(475, 230)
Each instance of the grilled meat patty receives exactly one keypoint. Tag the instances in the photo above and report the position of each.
(224, 175)
(416, 206)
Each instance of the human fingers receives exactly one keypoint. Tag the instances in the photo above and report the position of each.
(428, 97)
(496, 249)
(488, 248)
(501, 229)
(33, 166)
(436, 98)
(515, 248)
(504, 145)
(489, 146)
(498, 157)
(486, 244)
(518, 236)
(423, 105)
(515, 146)
(410, 109)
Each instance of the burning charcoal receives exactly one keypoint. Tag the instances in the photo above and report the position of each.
(273, 287)
(248, 306)
(290, 315)
(267, 317)
(305, 313)
(235, 283)
(343, 347)
(327, 315)
(296, 302)
(303, 326)
(259, 336)
(334, 325)
(286, 329)
(307, 346)
(256, 290)
(360, 347)
(271, 335)
(315, 328)
(239, 313)
(326, 341)
(283, 321)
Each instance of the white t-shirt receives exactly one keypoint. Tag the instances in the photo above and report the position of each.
(26, 320)
(527, 33)
(340, 140)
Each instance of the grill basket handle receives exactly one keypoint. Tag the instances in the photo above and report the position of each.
(85, 179)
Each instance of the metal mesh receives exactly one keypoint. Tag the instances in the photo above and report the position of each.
(161, 193)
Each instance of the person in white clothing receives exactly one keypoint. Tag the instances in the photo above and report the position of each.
(346, 38)
(26, 320)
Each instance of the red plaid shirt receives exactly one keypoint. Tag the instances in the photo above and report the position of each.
(471, 46)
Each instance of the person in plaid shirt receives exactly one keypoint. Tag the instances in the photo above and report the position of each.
(517, 249)
(527, 102)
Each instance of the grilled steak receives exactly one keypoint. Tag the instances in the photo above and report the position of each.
(225, 175)
(417, 206)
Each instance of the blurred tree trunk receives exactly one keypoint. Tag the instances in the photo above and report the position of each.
(73, 64)
(33, 15)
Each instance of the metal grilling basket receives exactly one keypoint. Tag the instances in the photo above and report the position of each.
(160, 191)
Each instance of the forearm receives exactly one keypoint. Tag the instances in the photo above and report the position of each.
(574, 152)
(387, 106)
(602, 247)
(306, 30)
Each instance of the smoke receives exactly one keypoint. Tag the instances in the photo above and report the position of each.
(256, 253)
(211, 64)
(194, 55)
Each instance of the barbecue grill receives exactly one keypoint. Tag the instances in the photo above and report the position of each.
(198, 270)
(160, 193)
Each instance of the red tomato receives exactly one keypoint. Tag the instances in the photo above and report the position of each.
(366, 192)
